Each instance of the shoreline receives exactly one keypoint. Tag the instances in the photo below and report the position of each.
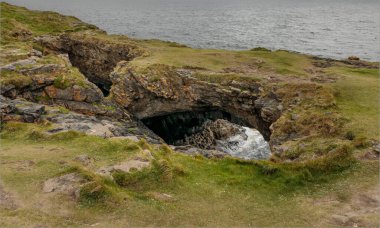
(202, 47)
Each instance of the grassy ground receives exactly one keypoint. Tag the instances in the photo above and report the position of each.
(251, 63)
(19, 22)
(358, 99)
(223, 192)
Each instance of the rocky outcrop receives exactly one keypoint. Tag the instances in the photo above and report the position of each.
(52, 80)
(22, 111)
(63, 120)
(212, 131)
(93, 53)
(171, 90)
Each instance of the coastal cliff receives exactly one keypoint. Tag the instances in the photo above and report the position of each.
(111, 106)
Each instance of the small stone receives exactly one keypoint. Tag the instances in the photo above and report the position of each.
(353, 58)
(376, 148)
(160, 196)
(84, 159)
(280, 107)
(35, 52)
(294, 117)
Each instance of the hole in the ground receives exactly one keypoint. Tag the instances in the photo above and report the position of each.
(104, 87)
(175, 127)
(96, 75)
(210, 130)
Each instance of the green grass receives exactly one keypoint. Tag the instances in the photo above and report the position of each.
(15, 20)
(205, 192)
(280, 62)
(283, 62)
(14, 78)
(358, 99)
(224, 77)
(64, 77)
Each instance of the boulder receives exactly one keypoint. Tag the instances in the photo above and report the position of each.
(69, 184)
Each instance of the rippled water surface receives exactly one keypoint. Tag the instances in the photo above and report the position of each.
(330, 28)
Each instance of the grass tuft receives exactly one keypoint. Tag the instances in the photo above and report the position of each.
(350, 135)
(92, 193)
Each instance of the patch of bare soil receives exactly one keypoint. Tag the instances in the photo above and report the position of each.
(362, 210)
(7, 199)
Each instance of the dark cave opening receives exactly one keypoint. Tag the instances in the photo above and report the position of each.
(104, 87)
(99, 78)
(173, 128)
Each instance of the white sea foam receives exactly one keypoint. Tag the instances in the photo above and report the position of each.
(247, 144)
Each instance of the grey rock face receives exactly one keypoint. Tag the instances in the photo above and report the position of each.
(175, 91)
(17, 110)
(96, 58)
(25, 111)
(23, 62)
(212, 131)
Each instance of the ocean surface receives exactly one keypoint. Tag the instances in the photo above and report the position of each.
(328, 28)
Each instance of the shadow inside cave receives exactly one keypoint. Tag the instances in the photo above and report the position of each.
(173, 128)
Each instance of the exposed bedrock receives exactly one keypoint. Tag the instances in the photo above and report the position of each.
(20, 110)
(160, 93)
(52, 80)
(164, 92)
(94, 55)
